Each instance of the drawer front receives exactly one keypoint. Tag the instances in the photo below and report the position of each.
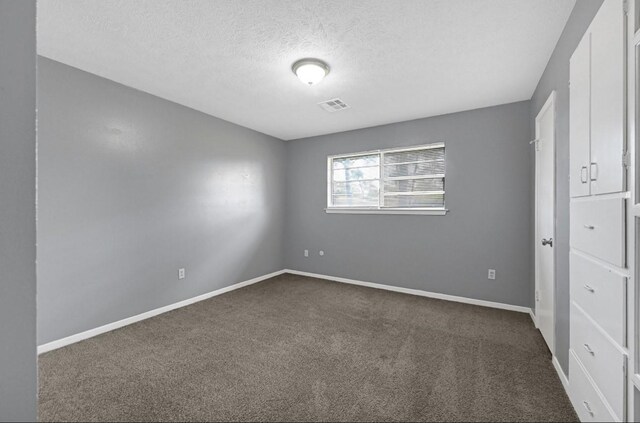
(584, 396)
(602, 294)
(597, 228)
(600, 357)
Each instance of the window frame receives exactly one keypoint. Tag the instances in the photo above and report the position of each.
(436, 211)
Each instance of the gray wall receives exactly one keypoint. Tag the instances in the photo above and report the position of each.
(18, 386)
(556, 77)
(133, 187)
(488, 190)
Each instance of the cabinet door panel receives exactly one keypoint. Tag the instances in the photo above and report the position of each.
(607, 99)
(579, 118)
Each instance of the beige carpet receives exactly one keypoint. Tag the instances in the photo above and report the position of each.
(302, 349)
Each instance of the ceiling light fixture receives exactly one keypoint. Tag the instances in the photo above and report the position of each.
(310, 71)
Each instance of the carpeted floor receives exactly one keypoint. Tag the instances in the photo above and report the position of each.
(301, 349)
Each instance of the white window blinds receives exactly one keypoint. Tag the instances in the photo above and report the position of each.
(408, 178)
(414, 178)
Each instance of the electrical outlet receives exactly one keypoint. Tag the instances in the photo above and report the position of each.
(321, 253)
(181, 273)
(306, 253)
(492, 274)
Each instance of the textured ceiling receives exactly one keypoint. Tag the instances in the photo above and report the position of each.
(391, 60)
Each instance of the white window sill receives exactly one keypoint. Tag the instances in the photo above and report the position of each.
(354, 210)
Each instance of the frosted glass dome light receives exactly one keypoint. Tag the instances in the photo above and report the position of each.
(310, 71)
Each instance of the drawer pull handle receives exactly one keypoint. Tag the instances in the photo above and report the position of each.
(588, 288)
(588, 407)
(594, 171)
(589, 350)
(584, 175)
(590, 227)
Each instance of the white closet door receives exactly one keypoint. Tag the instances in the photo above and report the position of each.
(607, 99)
(579, 118)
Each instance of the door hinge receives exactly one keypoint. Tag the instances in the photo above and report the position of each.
(536, 144)
(625, 7)
(537, 295)
(626, 159)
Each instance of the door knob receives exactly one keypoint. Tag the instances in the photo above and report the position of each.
(548, 242)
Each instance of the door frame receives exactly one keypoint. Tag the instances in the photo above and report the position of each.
(550, 104)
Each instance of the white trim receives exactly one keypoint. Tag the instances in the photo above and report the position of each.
(597, 197)
(632, 137)
(351, 210)
(533, 318)
(389, 150)
(417, 292)
(561, 375)
(622, 271)
(635, 379)
(549, 105)
(146, 315)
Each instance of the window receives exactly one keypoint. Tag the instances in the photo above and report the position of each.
(403, 180)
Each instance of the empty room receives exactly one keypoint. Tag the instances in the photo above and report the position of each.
(306, 210)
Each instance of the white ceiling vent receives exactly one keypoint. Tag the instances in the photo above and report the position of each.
(333, 105)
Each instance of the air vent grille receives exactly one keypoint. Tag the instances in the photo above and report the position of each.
(333, 105)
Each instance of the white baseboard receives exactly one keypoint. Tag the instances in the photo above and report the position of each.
(124, 322)
(561, 375)
(418, 292)
(564, 379)
(146, 315)
(533, 318)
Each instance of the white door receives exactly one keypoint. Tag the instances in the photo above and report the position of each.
(606, 171)
(580, 118)
(545, 220)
